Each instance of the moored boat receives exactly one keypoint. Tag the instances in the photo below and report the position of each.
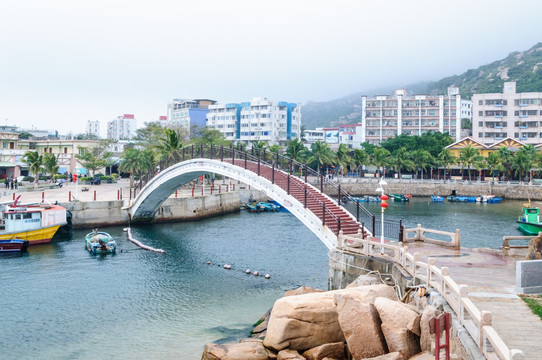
(437, 198)
(401, 197)
(461, 199)
(13, 245)
(99, 242)
(529, 221)
(494, 200)
(36, 224)
(452, 198)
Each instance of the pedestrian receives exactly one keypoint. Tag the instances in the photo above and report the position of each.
(11, 183)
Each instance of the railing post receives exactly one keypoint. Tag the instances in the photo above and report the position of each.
(201, 150)
(232, 155)
(306, 173)
(339, 225)
(245, 160)
(192, 152)
(290, 167)
(363, 231)
(272, 173)
(357, 210)
(288, 187)
(183, 153)
(373, 216)
(252, 149)
(323, 214)
(221, 152)
(264, 156)
(339, 198)
(305, 200)
(211, 154)
(277, 159)
(258, 166)
(401, 230)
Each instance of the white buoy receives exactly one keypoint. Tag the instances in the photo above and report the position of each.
(247, 271)
(228, 267)
(267, 276)
(208, 263)
(255, 273)
(125, 229)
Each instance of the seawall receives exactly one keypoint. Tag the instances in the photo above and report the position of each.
(114, 212)
(428, 188)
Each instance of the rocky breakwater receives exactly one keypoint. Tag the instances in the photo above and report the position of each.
(359, 322)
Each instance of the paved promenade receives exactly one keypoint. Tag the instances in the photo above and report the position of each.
(491, 278)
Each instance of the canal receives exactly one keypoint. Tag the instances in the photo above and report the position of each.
(60, 302)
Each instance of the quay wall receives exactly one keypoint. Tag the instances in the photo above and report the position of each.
(114, 212)
(507, 191)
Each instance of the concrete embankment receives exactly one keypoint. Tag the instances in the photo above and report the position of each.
(114, 212)
(507, 191)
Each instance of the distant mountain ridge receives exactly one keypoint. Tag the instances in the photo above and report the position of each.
(524, 67)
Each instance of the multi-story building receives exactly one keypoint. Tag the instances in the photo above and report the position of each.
(466, 109)
(123, 127)
(384, 117)
(93, 128)
(188, 114)
(258, 120)
(349, 134)
(312, 136)
(507, 114)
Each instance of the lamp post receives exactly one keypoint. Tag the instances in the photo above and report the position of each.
(383, 205)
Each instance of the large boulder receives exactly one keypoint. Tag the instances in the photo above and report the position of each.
(360, 324)
(400, 325)
(535, 248)
(330, 351)
(246, 350)
(303, 322)
(426, 338)
(302, 290)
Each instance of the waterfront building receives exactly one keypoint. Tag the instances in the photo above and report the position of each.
(258, 120)
(383, 117)
(10, 154)
(312, 136)
(188, 115)
(93, 128)
(509, 114)
(349, 134)
(123, 127)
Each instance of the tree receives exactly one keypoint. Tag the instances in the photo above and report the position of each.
(494, 163)
(360, 158)
(91, 158)
(35, 164)
(295, 150)
(522, 163)
(422, 159)
(169, 145)
(401, 160)
(320, 155)
(50, 164)
(380, 158)
(25, 135)
(85, 136)
(150, 135)
(507, 157)
(467, 156)
(446, 160)
(136, 161)
(209, 136)
(259, 147)
(343, 157)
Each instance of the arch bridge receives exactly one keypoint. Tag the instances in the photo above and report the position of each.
(279, 177)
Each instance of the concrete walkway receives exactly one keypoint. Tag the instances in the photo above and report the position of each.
(491, 277)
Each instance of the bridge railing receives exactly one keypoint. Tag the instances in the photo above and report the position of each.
(393, 229)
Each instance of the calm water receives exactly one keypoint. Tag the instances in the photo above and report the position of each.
(59, 302)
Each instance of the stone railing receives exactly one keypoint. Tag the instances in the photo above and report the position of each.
(506, 246)
(477, 323)
(419, 235)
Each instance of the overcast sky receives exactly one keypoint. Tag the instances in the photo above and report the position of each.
(65, 62)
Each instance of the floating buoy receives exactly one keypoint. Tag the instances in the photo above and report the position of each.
(267, 276)
(226, 266)
(125, 229)
(255, 273)
(208, 263)
(247, 271)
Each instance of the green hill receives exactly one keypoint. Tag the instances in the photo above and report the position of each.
(523, 67)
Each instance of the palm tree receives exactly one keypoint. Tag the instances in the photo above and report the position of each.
(401, 160)
(35, 163)
(494, 163)
(170, 145)
(479, 163)
(50, 165)
(360, 159)
(320, 155)
(259, 147)
(467, 156)
(343, 157)
(507, 157)
(446, 160)
(422, 159)
(135, 161)
(296, 150)
(522, 163)
(380, 158)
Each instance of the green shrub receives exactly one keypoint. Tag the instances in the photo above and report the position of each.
(2, 181)
(85, 178)
(28, 178)
(60, 176)
(115, 175)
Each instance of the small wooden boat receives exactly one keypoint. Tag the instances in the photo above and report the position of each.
(266, 206)
(437, 198)
(254, 208)
(13, 245)
(372, 198)
(99, 242)
(401, 197)
(529, 221)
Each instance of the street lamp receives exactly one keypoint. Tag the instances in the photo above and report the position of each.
(383, 205)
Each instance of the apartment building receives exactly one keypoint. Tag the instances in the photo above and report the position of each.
(510, 114)
(188, 114)
(123, 127)
(384, 117)
(93, 128)
(258, 120)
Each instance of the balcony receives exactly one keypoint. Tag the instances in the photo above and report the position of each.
(523, 115)
(499, 105)
(498, 127)
(498, 138)
(498, 116)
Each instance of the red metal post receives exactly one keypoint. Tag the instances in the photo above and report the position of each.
(437, 327)
(13, 196)
(69, 196)
(42, 195)
(94, 195)
(201, 189)
(175, 194)
(118, 194)
(193, 188)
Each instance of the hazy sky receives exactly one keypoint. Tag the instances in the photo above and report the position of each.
(65, 62)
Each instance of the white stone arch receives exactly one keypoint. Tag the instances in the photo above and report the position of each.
(159, 188)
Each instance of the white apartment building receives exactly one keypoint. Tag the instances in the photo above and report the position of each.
(188, 114)
(383, 117)
(258, 120)
(312, 136)
(93, 127)
(123, 127)
(499, 116)
(466, 109)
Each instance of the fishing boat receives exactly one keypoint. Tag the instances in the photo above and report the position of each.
(462, 199)
(372, 198)
(401, 197)
(13, 245)
(99, 242)
(267, 206)
(437, 198)
(529, 221)
(359, 198)
(452, 198)
(471, 198)
(36, 224)
(494, 200)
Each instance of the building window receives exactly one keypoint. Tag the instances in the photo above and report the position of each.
(480, 113)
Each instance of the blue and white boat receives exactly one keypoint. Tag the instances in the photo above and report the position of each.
(99, 242)
(437, 198)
